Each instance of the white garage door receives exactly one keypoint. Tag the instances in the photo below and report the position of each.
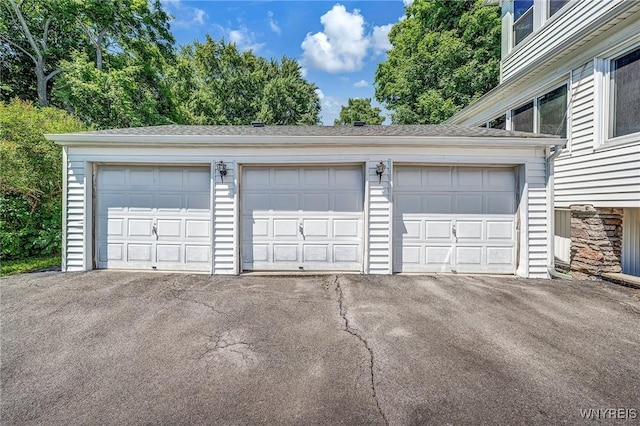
(454, 219)
(153, 218)
(302, 218)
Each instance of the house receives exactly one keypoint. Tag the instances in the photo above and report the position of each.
(572, 68)
(368, 199)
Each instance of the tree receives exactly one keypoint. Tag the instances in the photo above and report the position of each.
(42, 31)
(445, 55)
(128, 24)
(359, 110)
(30, 178)
(214, 83)
(130, 91)
(47, 32)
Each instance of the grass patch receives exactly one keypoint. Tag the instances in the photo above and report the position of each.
(9, 267)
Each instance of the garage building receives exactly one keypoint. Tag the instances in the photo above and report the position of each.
(368, 199)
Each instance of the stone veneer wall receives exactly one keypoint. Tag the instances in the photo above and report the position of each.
(596, 241)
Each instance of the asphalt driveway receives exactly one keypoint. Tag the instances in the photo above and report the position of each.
(151, 348)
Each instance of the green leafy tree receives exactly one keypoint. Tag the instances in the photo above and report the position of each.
(30, 178)
(445, 55)
(130, 91)
(359, 110)
(42, 31)
(214, 83)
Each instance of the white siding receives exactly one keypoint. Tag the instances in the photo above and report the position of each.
(604, 177)
(562, 237)
(563, 34)
(537, 218)
(379, 218)
(74, 248)
(224, 220)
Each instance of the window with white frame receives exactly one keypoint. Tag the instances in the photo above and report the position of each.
(624, 105)
(546, 113)
(522, 20)
(556, 5)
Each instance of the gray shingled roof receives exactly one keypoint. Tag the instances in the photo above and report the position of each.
(441, 130)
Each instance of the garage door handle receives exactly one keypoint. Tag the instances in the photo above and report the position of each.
(155, 230)
(301, 229)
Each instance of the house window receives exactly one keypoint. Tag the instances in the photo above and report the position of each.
(625, 94)
(522, 118)
(552, 112)
(498, 123)
(522, 19)
(556, 5)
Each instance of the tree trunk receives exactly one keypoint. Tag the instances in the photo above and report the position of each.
(42, 83)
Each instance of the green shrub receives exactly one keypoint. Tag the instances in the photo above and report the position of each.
(31, 178)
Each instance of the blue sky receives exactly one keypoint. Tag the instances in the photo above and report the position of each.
(338, 44)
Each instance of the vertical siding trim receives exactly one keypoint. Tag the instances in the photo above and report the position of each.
(365, 233)
(65, 191)
(87, 263)
(631, 242)
(224, 242)
(379, 206)
(523, 210)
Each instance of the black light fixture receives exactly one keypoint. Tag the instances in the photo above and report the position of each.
(222, 169)
(380, 171)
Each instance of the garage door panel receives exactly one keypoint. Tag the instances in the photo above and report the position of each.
(197, 253)
(316, 228)
(469, 230)
(499, 256)
(285, 202)
(286, 177)
(139, 252)
(285, 253)
(500, 203)
(316, 178)
(285, 228)
(315, 202)
(438, 230)
(437, 204)
(140, 202)
(142, 178)
(310, 212)
(468, 255)
(469, 204)
(315, 253)
(470, 178)
(465, 221)
(170, 203)
(169, 228)
(349, 202)
(438, 255)
(346, 228)
(346, 253)
(500, 230)
(139, 227)
(408, 203)
(168, 253)
(148, 196)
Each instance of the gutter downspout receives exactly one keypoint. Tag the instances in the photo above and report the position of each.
(551, 226)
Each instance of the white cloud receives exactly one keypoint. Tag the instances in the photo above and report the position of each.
(242, 38)
(361, 83)
(184, 15)
(380, 39)
(273, 24)
(342, 46)
(320, 94)
(407, 2)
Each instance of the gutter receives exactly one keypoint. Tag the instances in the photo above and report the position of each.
(551, 226)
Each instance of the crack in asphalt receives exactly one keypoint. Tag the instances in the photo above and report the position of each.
(354, 332)
(222, 343)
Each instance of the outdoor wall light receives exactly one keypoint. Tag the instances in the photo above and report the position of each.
(222, 169)
(380, 171)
